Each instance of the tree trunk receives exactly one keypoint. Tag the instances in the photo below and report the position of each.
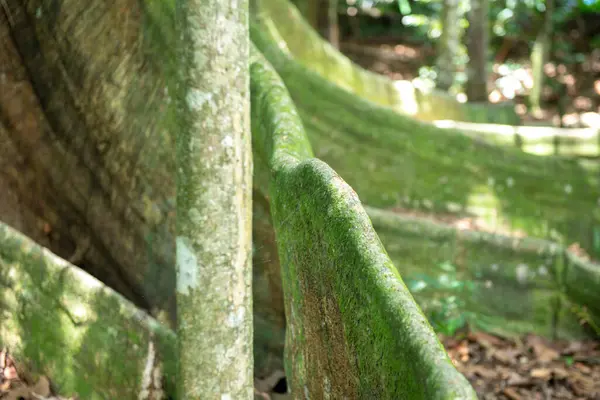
(539, 57)
(333, 27)
(448, 44)
(477, 48)
(85, 122)
(310, 10)
(214, 167)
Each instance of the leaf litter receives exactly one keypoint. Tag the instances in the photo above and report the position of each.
(528, 367)
(524, 368)
(18, 384)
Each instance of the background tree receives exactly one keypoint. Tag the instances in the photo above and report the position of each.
(448, 46)
(477, 49)
(540, 56)
(333, 28)
(310, 9)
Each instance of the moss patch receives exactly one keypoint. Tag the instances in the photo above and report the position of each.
(69, 326)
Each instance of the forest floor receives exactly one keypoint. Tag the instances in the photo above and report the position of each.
(527, 368)
(16, 383)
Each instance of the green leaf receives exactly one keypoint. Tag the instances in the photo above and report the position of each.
(569, 360)
(447, 266)
(404, 7)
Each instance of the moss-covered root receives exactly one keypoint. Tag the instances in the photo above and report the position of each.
(66, 324)
(498, 283)
(354, 330)
(283, 23)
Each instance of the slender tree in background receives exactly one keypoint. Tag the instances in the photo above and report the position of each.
(310, 11)
(477, 48)
(333, 29)
(448, 44)
(214, 168)
(539, 57)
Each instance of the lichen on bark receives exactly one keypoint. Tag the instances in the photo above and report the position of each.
(214, 182)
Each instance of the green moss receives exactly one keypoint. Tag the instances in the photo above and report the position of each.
(581, 281)
(105, 78)
(353, 329)
(497, 283)
(65, 324)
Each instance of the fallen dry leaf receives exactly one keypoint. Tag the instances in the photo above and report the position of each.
(573, 347)
(541, 350)
(267, 384)
(511, 394)
(7, 366)
(42, 387)
(262, 395)
(516, 379)
(485, 339)
(482, 372)
(583, 368)
(560, 373)
(541, 373)
(463, 351)
(507, 356)
(584, 386)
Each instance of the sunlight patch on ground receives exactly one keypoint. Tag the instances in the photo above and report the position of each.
(484, 203)
(408, 96)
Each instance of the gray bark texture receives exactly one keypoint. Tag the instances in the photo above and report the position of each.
(477, 48)
(214, 224)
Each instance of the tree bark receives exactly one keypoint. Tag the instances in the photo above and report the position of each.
(539, 57)
(87, 125)
(477, 48)
(84, 108)
(310, 10)
(333, 27)
(448, 44)
(214, 167)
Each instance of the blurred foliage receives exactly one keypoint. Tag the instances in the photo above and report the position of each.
(446, 310)
(509, 17)
(513, 18)
(586, 318)
(513, 23)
